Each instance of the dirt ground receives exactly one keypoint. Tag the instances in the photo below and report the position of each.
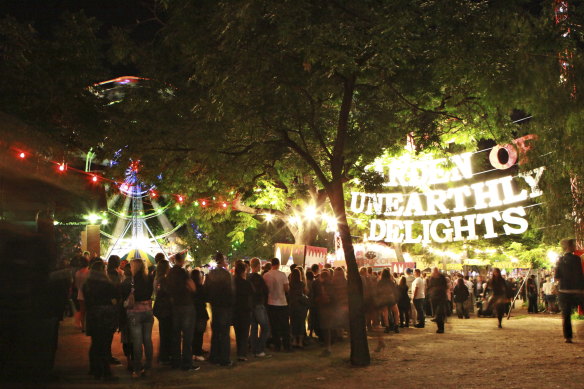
(528, 352)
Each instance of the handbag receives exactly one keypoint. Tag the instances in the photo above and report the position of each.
(130, 301)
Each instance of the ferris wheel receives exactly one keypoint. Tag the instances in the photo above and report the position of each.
(141, 226)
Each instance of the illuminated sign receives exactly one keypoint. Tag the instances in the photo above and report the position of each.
(399, 217)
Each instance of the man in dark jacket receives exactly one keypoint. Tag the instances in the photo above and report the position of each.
(259, 313)
(221, 296)
(437, 287)
(569, 273)
(181, 288)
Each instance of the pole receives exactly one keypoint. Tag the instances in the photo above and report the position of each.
(518, 293)
(118, 239)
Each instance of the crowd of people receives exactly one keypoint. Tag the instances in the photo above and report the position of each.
(267, 308)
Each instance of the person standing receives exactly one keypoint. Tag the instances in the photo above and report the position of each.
(548, 293)
(461, 295)
(571, 289)
(437, 289)
(163, 311)
(471, 300)
(278, 313)
(298, 308)
(101, 299)
(259, 318)
(201, 314)
(181, 288)
(80, 278)
(404, 303)
(140, 317)
(410, 278)
(242, 310)
(531, 287)
(220, 293)
(419, 297)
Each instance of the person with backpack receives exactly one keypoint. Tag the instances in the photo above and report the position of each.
(461, 295)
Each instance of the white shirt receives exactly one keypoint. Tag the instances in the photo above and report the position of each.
(469, 286)
(420, 284)
(547, 288)
(275, 280)
(409, 281)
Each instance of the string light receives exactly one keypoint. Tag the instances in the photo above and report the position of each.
(62, 167)
(22, 155)
(94, 178)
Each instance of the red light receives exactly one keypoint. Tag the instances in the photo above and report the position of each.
(224, 205)
(22, 155)
(62, 167)
(204, 203)
(94, 178)
(153, 193)
(180, 199)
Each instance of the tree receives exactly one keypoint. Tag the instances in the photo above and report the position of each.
(324, 87)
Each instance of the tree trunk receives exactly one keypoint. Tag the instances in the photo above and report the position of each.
(359, 344)
(304, 234)
(398, 252)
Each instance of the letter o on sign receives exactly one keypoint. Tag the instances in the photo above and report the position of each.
(499, 151)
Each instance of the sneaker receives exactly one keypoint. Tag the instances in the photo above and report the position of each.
(115, 361)
(199, 358)
(191, 368)
(419, 325)
(263, 355)
(227, 364)
(242, 359)
(440, 331)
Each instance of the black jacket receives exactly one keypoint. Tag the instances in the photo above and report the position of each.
(569, 272)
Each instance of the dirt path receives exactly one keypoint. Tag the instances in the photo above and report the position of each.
(528, 353)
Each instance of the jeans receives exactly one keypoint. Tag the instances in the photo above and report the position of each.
(440, 310)
(280, 326)
(165, 331)
(200, 327)
(259, 318)
(183, 328)
(569, 302)
(241, 325)
(140, 324)
(220, 341)
(419, 304)
(462, 309)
